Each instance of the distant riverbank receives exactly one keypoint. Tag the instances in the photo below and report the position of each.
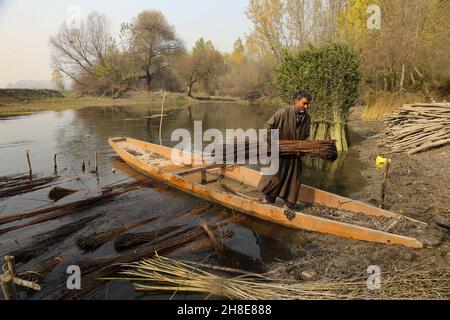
(19, 104)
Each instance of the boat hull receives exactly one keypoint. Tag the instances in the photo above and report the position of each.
(257, 209)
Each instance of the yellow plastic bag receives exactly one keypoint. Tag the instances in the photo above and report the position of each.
(381, 162)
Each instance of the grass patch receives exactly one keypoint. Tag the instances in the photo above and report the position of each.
(382, 103)
(14, 114)
(73, 101)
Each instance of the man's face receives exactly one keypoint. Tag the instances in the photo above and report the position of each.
(301, 104)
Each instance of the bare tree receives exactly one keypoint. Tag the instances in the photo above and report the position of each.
(153, 42)
(203, 65)
(78, 51)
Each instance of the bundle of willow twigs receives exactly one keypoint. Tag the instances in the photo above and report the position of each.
(16, 187)
(323, 149)
(94, 241)
(417, 127)
(56, 212)
(39, 274)
(128, 241)
(163, 274)
(43, 242)
(131, 240)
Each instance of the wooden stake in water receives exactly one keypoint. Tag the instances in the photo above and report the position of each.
(30, 170)
(96, 162)
(383, 187)
(10, 262)
(55, 164)
(8, 286)
(162, 115)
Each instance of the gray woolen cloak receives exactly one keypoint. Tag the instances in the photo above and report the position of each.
(287, 182)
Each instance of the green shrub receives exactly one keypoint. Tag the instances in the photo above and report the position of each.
(331, 74)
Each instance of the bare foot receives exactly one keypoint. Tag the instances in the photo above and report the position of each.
(267, 201)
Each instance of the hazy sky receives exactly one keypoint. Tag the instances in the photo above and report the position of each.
(25, 27)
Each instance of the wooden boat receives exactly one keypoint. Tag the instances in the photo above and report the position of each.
(154, 160)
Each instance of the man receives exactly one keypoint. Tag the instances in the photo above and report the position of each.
(293, 123)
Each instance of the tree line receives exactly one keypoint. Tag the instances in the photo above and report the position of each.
(409, 52)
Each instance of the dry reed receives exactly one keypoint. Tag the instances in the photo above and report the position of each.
(167, 275)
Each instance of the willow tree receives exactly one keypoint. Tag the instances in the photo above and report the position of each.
(203, 65)
(331, 73)
(77, 52)
(153, 42)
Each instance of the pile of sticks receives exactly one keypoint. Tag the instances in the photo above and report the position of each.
(417, 127)
(323, 149)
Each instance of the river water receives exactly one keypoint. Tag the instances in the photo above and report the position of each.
(75, 136)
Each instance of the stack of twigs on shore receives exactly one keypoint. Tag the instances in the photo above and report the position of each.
(166, 275)
(323, 149)
(417, 127)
